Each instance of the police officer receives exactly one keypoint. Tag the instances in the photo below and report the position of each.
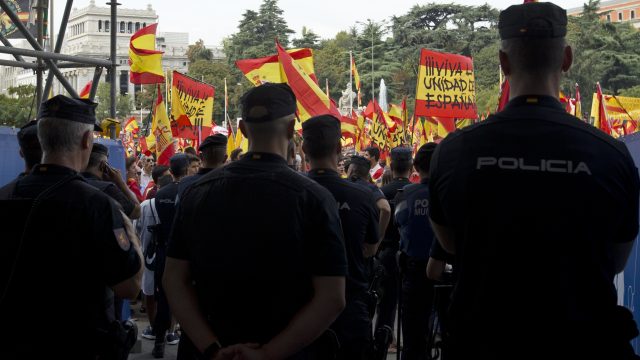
(109, 180)
(213, 152)
(541, 211)
(60, 236)
(416, 237)
(30, 149)
(358, 172)
(165, 204)
(262, 243)
(401, 168)
(359, 217)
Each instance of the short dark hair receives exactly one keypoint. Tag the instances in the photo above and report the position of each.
(179, 165)
(30, 145)
(422, 161)
(94, 159)
(401, 166)
(190, 150)
(130, 160)
(192, 158)
(214, 154)
(359, 170)
(157, 171)
(534, 56)
(316, 148)
(373, 152)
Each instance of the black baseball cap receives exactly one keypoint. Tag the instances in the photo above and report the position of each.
(78, 110)
(218, 140)
(322, 127)
(533, 20)
(268, 102)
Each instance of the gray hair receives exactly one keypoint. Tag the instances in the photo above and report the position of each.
(60, 135)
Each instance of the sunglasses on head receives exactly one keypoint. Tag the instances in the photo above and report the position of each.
(149, 160)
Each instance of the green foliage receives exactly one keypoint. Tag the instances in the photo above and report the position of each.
(18, 107)
(198, 52)
(309, 39)
(124, 105)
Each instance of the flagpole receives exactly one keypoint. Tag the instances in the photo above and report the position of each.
(225, 101)
(326, 82)
(350, 84)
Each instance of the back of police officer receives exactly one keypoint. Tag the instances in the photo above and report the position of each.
(262, 243)
(401, 168)
(359, 217)
(541, 211)
(65, 254)
(416, 238)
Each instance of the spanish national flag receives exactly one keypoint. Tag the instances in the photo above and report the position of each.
(161, 128)
(312, 101)
(269, 70)
(356, 76)
(144, 59)
(86, 90)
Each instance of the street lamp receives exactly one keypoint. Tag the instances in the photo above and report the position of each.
(371, 24)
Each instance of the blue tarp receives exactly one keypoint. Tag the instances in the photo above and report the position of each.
(11, 163)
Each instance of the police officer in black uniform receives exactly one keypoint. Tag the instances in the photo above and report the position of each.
(165, 201)
(62, 237)
(401, 169)
(416, 238)
(541, 211)
(257, 253)
(105, 178)
(213, 152)
(30, 149)
(359, 216)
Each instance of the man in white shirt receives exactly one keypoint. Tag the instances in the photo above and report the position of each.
(147, 166)
(373, 155)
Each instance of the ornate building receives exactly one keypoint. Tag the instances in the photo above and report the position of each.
(616, 11)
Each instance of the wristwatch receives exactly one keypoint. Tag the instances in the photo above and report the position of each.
(212, 350)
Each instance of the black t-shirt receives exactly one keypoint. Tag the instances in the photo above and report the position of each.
(165, 201)
(359, 217)
(255, 233)
(392, 234)
(112, 191)
(190, 180)
(536, 199)
(76, 245)
(377, 193)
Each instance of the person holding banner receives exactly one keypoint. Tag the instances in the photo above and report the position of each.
(272, 280)
(541, 211)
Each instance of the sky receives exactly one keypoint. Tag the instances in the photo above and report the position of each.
(213, 20)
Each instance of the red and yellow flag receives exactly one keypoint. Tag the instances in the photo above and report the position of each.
(131, 126)
(356, 76)
(145, 61)
(161, 129)
(578, 104)
(601, 120)
(86, 90)
(191, 102)
(268, 69)
(311, 100)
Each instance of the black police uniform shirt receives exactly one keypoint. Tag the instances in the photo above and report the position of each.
(112, 191)
(190, 180)
(537, 200)
(76, 247)
(255, 233)
(377, 193)
(359, 217)
(412, 218)
(166, 209)
(392, 234)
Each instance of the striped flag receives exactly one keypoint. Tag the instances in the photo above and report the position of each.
(86, 90)
(161, 129)
(268, 69)
(145, 61)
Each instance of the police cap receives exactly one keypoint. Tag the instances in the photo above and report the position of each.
(401, 154)
(28, 135)
(322, 127)
(358, 160)
(217, 140)
(100, 149)
(62, 107)
(533, 20)
(268, 102)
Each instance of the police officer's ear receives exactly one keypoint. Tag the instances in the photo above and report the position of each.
(291, 128)
(504, 63)
(87, 140)
(243, 129)
(567, 59)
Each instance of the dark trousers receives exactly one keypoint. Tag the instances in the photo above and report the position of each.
(417, 303)
(389, 287)
(353, 329)
(163, 314)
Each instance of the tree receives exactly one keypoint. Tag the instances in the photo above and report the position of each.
(124, 104)
(19, 107)
(198, 52)
(309, 39)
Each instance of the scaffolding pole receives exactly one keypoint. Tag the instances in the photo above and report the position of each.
(59, 40)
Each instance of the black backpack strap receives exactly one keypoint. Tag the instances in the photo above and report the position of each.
(27, 225)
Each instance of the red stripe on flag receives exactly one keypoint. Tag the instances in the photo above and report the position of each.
(149, 30)
(145, 78)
